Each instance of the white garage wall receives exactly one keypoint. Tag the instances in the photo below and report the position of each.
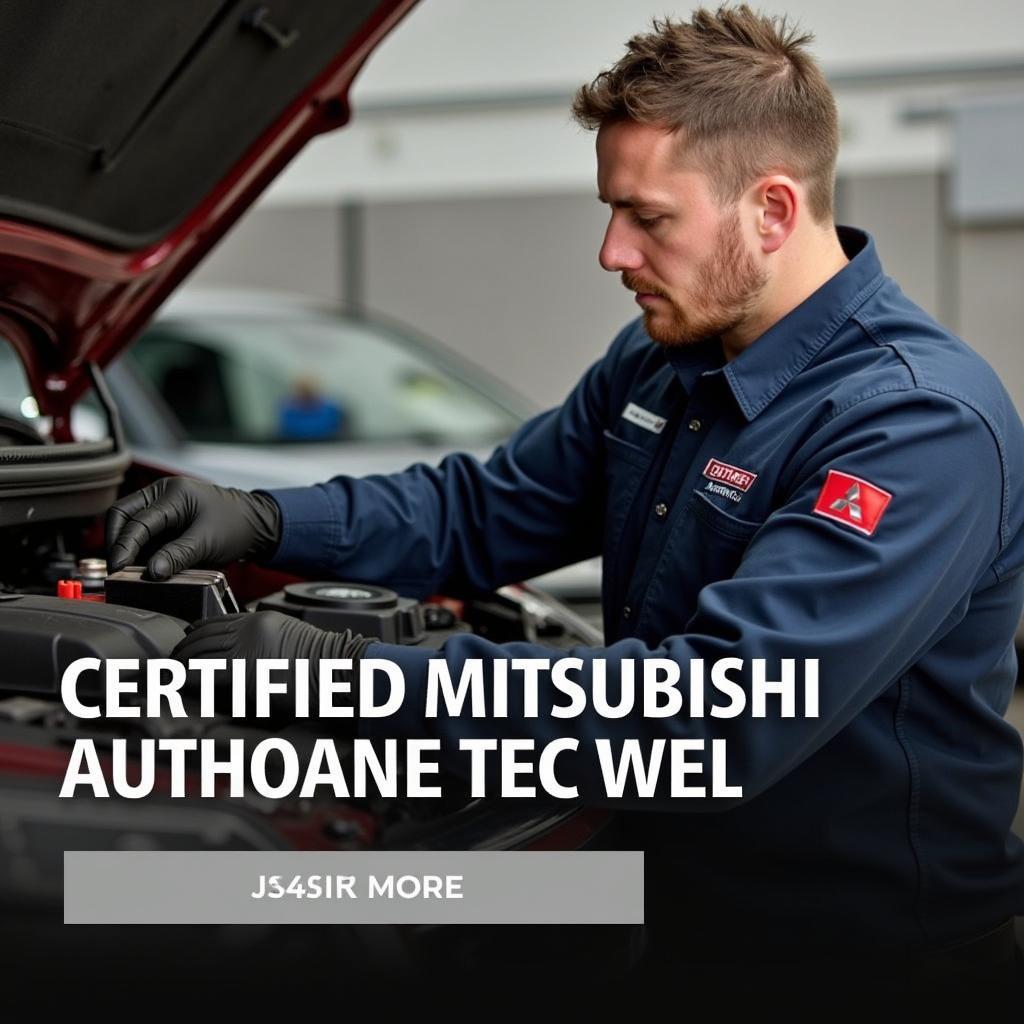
(408, 140)
(469, 46)
(904, 212)
(514, 283)
(989, 276)
(294, 249)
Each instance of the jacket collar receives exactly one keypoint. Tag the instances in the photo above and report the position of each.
(760, 373)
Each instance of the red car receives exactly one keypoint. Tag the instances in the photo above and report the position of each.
(134, 135)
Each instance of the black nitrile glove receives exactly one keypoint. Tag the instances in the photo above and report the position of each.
(202, 525)
(252, 635)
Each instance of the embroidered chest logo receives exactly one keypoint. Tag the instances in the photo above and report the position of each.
(727, 481)
(850, 500)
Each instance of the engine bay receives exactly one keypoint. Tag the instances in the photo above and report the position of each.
(58, 604)
(56, 607)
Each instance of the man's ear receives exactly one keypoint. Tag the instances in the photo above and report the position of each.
(777, 200)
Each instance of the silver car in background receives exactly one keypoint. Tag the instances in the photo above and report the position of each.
(250, 389)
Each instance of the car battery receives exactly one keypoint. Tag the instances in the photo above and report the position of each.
(190, 595)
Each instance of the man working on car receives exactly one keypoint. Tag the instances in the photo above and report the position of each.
(785, 458)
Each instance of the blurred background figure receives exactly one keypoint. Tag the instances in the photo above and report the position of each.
(307, 414)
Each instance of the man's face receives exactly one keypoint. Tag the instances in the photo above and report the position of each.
(683, 255)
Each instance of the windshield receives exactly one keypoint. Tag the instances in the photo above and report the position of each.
(20, 421)
(312, 378)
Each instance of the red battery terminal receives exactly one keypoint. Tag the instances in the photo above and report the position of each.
(70, 589)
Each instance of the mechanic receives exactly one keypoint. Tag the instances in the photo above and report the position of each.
(783, 458)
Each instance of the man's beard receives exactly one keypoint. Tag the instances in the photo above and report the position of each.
(725, 289)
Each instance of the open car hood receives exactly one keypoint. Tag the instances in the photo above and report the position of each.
(133, 136)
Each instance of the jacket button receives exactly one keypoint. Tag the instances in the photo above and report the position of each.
(695, 425)
(660, 510)
(626, 612)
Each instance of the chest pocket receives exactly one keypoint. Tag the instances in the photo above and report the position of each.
(626, 466)
(719, 541)
(707, 545)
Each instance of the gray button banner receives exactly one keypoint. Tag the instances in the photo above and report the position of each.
(392, 887)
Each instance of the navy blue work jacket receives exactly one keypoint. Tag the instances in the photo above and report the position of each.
(850, 488)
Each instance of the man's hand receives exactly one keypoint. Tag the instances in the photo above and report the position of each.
(202, 524)
(252, 635)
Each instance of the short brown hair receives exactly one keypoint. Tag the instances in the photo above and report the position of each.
(743, 89)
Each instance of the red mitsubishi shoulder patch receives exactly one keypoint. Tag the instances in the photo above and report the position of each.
(850, 500)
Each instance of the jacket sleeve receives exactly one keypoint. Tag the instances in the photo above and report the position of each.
(808, 587)
(464, 526)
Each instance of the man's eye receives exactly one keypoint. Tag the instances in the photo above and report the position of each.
(647, 222)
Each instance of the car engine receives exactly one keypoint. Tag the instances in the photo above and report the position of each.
(58, 604)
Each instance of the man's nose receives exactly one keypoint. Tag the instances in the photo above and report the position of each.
(617, 251)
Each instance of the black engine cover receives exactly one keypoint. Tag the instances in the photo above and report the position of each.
(41, 636)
